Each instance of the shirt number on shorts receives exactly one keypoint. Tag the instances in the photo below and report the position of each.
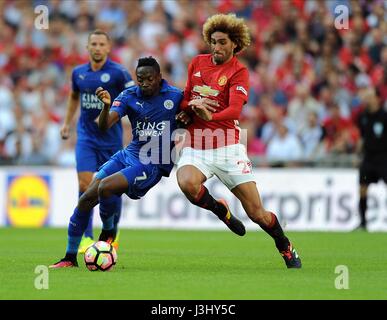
(245, 166)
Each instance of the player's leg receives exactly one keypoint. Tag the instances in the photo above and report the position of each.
(109, 193)
(251, 201)
(78, 224)
(194, 168)
(190, 180)
(112, 185)
(80, 217)
(367, 174)
(363, 191)
(135, 180)
(87, 163)
(84, 179)
(116, 220)
(103, 156)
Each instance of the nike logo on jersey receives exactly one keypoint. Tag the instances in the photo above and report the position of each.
(141, 178)
(197, 74)
(140, 104)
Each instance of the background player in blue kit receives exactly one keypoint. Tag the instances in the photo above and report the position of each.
(151, 107)
(94, 147)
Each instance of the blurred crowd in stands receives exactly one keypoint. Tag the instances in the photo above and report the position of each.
(308, 78)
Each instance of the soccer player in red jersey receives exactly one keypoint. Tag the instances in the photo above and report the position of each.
(215, 92)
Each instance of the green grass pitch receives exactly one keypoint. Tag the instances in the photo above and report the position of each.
(182, 265)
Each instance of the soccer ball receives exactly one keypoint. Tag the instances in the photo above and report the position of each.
(100, 256)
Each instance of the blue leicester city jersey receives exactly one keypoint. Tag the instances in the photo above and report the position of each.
(153, 123)
(112, 77)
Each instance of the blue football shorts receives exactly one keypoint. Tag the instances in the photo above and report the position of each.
(90, 158)
(141, 177)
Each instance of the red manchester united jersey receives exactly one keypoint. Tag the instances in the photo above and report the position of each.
(226, 83)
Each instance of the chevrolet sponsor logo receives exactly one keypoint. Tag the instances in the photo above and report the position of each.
(206, 91)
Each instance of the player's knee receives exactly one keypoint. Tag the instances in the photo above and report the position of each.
(255, 211)
(189, 187)
(104, 190)
(86, 201)
(83, 185)
(82, 205)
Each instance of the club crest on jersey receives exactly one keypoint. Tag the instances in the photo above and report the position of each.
(205, 91)
(222, 80)
(168, 104)
(105, 77)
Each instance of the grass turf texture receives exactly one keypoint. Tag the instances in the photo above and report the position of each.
(166, 264)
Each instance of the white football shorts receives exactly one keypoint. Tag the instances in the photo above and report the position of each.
(230, 163)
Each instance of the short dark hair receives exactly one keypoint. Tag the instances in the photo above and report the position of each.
(149, 62)
(98, 32)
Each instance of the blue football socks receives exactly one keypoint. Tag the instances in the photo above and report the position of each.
(117, 215)
(89, 228)
(77, 226)
(109, 208)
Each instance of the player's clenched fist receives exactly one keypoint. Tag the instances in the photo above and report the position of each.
(184, 118)
(103, 95)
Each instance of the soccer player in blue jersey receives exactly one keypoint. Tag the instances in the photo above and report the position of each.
(151, 107)
(94, 147)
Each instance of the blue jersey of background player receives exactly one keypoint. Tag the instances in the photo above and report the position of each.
(114, 78)
(151, 107)
(94, 147)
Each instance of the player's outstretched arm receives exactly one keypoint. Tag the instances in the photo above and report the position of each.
(106, 118)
